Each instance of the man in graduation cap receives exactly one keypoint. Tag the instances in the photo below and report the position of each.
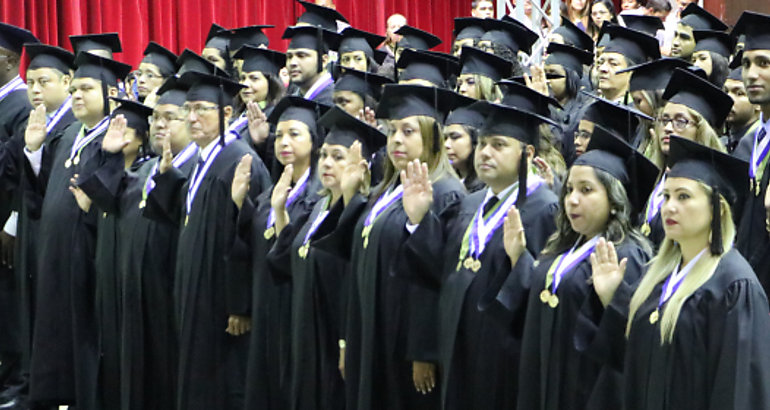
(306, 60)
(355, 90)
(102, 45)
(426, 68)
(64, 356)
(211, 362)
(356, 49)
(625, 48)
(158, 64)
(753, 239)
(217, 47)
(743, 119)
(693, 17)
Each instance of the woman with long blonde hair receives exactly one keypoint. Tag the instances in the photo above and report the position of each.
(693, 334)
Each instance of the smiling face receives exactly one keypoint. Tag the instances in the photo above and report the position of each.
(332, 160)
(586, 203)
(675, 119)
(404, 142)
(48, 87)
(256, 87)
(686, 210)
(756, 76)
(293, 143)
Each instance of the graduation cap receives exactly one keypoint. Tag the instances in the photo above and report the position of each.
(715, 41)
(102, 69)
(736, 74)
(756, 28)
(109, 42)
(45, 56)
(611, 154)
(320, 16)
(136, 114)
(435, 68)
(260, 59)
(511, 34)
(161, 57)
(699, 95)
(524, 98)
(574, 36)
(292, 107)
(699, 19)
(13, 38)
(214, 89)
(737, 61)
(188, 61)
(569, 57)
(218, 38)
(653, 75)
(353, 39)
(476, 61)
(520, 78)
(636, 46)
(360, 82)
(472, 115)
(724, 173)
(345, 129)
(515, 123)
(417, 39)
(646, 24)
(468, 27)
(313, 38)
(173, 92)
(617, 118)
(249, 35)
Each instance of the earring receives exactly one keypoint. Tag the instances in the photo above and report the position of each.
(613, 212)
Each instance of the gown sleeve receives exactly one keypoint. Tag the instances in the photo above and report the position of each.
(104, 184)
(164, 202)
(336, 234)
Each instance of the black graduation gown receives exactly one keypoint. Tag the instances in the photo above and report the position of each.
(389, 322)
(316, 304)
(719, 357)
(209, 358)
(740, 144)
(477, 354)
(64, 349)
(257, 292)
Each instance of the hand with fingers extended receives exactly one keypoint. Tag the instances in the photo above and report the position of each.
(514, 239)
(366, 115)
(607, 272)
(166, 160)
(238, 325)
(545, 170)
(34, 136)
(537, 80)
(418, 191)
(355, 174)
(282, 189)
(424, 376)
(241, 181)
(83, 200)
(115, 139)
(259, 128)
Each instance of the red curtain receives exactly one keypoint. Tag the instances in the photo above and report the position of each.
(179, 24)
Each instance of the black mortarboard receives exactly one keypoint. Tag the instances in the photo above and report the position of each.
(472, 115)
(320, 16)
(13, 38)
(611, 154)
(99, 68)
(109, 42)
(360, 82)
(313, 38)
(260, 59)
(214, 89)
(188, 61)
(653, 75)
(569, 56)
(218, 38)
(294, 107)
(510, 34)
(136, 114)
(161, 57)
(416, 38)
(756, 28)
(435, 68)
(646, 24)
(405, 100)
(45, 56)
(699, 95)
(574, 36)
(525, 98)
(469, 27)
(638, 47)
(353, 39)
(715, 41)
(520, 78)
(736, 74)
(172, 92)
(477, 61)
(619, 119)
(724, 173)
(345, 129)
(249, 35)
(699, 19)
(737, 60)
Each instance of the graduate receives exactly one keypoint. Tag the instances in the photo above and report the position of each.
(318, 277)
(505, 39)
(625, 48)
(693, 18)
(158, 64)
(217, 48)
(461, 134)
(389, 343)
(257, 295)
(306, 60)
(712, 54)
(467, 32)
(415, 39)
(542, 298)
(64, 352)
(357, 49)
(618, 118)
(692, 333)
(571, 35)
(211, 361)
(319, 15)
(476, 353)
(426, 68)
(743, 120)
(479, 73)
(356, 91)
(103, 44)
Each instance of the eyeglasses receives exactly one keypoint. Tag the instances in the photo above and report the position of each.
(197, 109)
(147, 74)
(680, 123)
(167, 117)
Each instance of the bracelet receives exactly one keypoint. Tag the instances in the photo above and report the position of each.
(341, 343)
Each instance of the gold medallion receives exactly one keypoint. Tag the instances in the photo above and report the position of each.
(476, 266)
(68, 163)
(76, 161)
(468, 263)
(269, 232)
(545, 295)
(536, 263)
(751, 184)
(186, 220)
(366, 241)
(365, 232)
(104, 215)
(553, 301)
(654, 316)
(303, 251)
(646, 230)
(142, 204)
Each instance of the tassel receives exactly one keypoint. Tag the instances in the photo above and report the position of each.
(436, 130)
(105, 93)
(319, 51)
(716, 246)
(395, 64)
(221, 115)
(523, 171)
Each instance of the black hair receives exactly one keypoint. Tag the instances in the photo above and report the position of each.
(720, 69)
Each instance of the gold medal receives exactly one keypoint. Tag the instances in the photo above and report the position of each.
(553, 301)
(68, 163)
(468, 263)
(545, 296)
(104, 215)
(654, 316)
(476, 266)
(751, 184)
(459, 265)
(186, 220)
(365, 232)
(646, 230)
(366, 241)
(142, 204)
(303, 251)
(269, 232)
(76, 161)
(536, 263)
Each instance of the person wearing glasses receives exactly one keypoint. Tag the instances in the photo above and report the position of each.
(158, 64)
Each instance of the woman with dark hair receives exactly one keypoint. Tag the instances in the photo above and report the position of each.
(712, 53)
(577, 12)
(358, 49)
(217, 48)
(461, 131)
(479, 73)
(600, 11)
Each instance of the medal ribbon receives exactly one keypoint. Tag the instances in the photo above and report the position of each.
(198, 175)
(85, 138)
(675, 280)
(190, 150)
(16, 84)
(317, 221)
(382, 204)
(568, 261)
(760, 149)
(656, 200)
(59, 114)
(319, 85)
(299, 187)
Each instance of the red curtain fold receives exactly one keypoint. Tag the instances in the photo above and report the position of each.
(180, 24)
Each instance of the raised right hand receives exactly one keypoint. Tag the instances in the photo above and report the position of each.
(355, 172)
(418, 191)
(114, 140)
(259, 128)
(514, 240)
(34, 136)
(167, 157)
(607, 272)
(241, 181)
